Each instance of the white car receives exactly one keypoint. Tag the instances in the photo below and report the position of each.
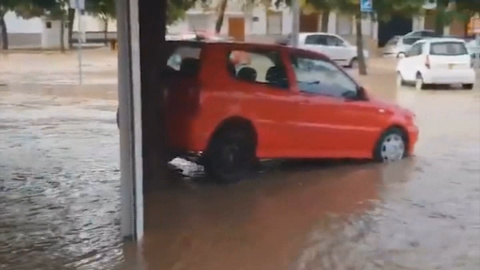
(398, 46)
(333, 46)
(437, 61)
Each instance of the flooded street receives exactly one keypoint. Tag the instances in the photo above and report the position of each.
(60, 201)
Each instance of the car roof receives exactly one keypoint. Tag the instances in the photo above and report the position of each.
(250, 45)
(436, 40)
(316, 33)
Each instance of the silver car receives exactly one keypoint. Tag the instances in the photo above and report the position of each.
(399, 45)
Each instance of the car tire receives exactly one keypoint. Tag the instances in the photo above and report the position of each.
(353, 63)
(231, 155)
(419, 84)
(400, 81)
(467, 86)
(392, 146)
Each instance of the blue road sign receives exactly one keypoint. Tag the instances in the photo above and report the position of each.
(366, 6)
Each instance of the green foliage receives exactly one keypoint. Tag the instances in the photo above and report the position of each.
(105, 9)
(176, 9)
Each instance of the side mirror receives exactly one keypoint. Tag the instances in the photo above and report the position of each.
(362, 93)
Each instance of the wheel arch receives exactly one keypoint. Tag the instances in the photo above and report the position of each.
(235, 122)
(404, 131)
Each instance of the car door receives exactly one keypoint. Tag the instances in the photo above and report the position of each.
(330, 123)
(338, 51)
(408, 66)
(259, 90)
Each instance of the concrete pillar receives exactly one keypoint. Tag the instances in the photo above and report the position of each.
(129, 90)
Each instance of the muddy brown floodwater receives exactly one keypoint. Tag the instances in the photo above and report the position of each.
(59, 197)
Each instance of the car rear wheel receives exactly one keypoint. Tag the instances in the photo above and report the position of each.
(392, 146)
(230, 155)
(419, 84)
(467, 86)
(353, 63)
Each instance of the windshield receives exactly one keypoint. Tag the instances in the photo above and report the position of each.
(448, 48)
(393, 41)
(410, 41)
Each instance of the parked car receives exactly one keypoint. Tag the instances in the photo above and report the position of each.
(333, 46)
(437, 61)
(422, 33)
(398, 46)
(284, 103)
(473, 48)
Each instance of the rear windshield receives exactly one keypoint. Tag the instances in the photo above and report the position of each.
(184, 60)
(448, 48)
(410, 41)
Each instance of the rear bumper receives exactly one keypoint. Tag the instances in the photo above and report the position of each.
(448, 76)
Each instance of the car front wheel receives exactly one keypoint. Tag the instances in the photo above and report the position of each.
(392, 146)
(468, 86)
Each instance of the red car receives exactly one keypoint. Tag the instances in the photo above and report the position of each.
(280, 102)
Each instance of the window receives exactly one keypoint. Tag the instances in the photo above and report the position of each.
(448, 48)
(316, 40)
(411, 40)
(263, 67)
(185, 59)
(49, 25)
(416, 49)
(317, 76)
(335, 41)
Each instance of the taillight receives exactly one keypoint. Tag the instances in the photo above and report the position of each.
(427, 62)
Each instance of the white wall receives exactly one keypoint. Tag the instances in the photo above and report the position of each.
(51, 36)
(19, 25)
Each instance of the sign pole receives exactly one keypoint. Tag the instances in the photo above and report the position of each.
(79, 40)
(296, 22)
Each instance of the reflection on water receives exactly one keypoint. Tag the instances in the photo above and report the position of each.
(59, 201)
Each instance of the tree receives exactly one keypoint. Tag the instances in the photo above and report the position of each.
(5, 6)
(51, 9)
(221, 14)
(105, 10)
(447, 11)
(176, 9)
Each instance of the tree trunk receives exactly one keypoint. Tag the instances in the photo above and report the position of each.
(440, 18)
(105, 31)
(362, 67)
(221, 15)
(62, 34)
(3, 29)
(71, 19)
(325, 18)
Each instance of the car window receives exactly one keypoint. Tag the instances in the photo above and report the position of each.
(416, 49)
(181, 55)
(316, 40)
(263, 67)
(185, 59)
(428, 34)
(321, 77)
(334, 41)
(411, 40)
(448, 48)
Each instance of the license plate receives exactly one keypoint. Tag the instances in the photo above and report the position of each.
(451, 66)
